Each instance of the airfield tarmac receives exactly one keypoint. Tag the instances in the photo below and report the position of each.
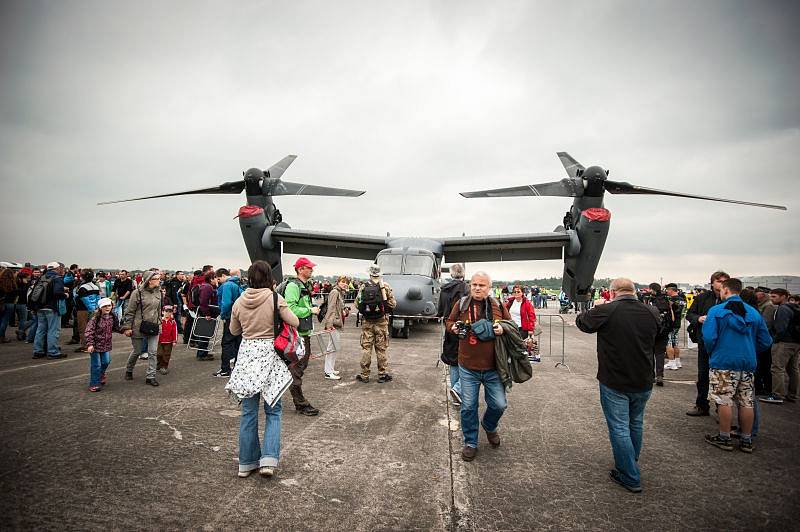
(380, 456)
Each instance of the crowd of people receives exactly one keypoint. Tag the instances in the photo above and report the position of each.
(748, 342)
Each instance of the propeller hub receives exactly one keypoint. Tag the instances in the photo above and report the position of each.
(594, 178)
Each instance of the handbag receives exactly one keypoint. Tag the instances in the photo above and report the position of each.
(306, 324)
(148, 328)
(287, 341)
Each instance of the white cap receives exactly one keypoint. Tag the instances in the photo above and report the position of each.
(103, 302)
(53, 265)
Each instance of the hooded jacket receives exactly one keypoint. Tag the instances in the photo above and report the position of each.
(227, 294)
(252, 314)
(732, 333)
(145, 304)
(87, 296)
(784, 315)
(333, 316)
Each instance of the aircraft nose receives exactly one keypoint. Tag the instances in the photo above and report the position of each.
(414, 293)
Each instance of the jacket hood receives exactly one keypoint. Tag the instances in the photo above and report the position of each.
(452, 283)
(146, 276)
(735, 315)
(255, 297)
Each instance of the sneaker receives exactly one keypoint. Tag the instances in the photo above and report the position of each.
(55, 357)
(244, 474)
(151, 382)
(94, 388)
(39, 355)
(670, 365)
(455, 397)
(103, 379)
(696, 411)
(362, 378)
(659, 381)
(266, 472)
(335, 372)
(717, 441)
(614, 475)
(746, 446)
(678, 364)
(144, 356)
(163, 371)
(773, 398)
(384, 378)
(221, 374)
(332, 376)
(206, 358)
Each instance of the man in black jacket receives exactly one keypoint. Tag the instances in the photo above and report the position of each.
(451, 293)
(696, 315)
(626, 334)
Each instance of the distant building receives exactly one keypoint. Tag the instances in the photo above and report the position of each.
(789, 282)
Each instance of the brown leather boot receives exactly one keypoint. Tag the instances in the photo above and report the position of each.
(493, 438)
(468, 453)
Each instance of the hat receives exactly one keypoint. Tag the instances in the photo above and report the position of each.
(168, 308)
(26, 271)
(671, 285)
(763, 290)
(302, 261)
(53, 265)
(103, 302)
(374, 270)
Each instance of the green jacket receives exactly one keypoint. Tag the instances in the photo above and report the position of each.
(511, 356)
(300, 305)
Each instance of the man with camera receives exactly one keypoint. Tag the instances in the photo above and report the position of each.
(473, 319)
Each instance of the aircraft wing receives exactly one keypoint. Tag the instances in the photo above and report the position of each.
(531, 246)
(327, 244)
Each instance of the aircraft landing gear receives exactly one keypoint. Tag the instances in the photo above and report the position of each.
(399, 332)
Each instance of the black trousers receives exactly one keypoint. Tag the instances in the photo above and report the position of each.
(702, 377)
(763, 376)
(659, 353)
(187, 329)
(297, 375)
(230, 346)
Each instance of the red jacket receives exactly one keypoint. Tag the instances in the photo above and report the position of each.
(169, 331)
(527, 313)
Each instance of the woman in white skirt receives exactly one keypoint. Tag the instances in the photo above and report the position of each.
(259, 374)
(333, 322)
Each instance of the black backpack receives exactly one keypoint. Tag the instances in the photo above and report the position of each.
(372, 306)
(794, 325)
(323, 309)
(664, 309)
(37, 298)
(194, 296)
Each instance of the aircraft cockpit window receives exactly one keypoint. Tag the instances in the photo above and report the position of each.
(418, 265)
(390, 264)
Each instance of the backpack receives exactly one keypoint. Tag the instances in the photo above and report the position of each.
(194, 296)
(37, 298)
(372, 306)
(794, 325)
(665, 313)
(323, 309)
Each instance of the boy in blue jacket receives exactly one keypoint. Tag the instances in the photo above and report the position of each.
(229, 290)
(733, 333)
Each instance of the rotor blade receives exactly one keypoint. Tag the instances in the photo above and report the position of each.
(231, 187)
(621, 187)
(569, 188)
(570, 164)
(287, 188)
(277, 169)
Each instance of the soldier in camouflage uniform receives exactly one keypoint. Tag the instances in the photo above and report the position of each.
(375, 331)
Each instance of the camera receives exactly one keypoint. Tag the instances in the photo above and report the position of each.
(462, 329)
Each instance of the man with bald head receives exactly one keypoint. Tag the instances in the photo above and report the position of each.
(476, 361)
(626, 334)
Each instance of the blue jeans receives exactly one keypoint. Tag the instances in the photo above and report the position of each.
(98, 363)
(32, 329)
(624, 413)
(49, 325)
(22, 318)
(455, 379)
(253, 455)
(6, 312)
(493, 392)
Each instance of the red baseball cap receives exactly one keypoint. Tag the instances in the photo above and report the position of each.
(302, 261)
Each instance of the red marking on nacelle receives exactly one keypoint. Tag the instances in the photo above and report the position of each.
(248, 211)
(597, 214)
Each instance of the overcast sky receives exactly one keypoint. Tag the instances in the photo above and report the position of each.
(412, 102)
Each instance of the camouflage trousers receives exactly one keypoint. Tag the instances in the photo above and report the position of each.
(374, 334)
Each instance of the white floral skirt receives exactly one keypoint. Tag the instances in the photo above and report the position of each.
(259, 370)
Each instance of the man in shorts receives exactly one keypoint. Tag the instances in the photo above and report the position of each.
(733, 333)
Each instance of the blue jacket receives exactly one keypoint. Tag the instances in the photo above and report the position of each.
(227, 294)
(733, 333)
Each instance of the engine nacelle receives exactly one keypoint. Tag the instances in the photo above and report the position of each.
(592, 230)
(253, 223)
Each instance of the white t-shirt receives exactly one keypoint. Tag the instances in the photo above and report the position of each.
(515, 311)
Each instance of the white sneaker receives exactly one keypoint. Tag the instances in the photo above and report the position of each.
(678, 364)
(335, 372)
(266, 472)
(332, 376)
(144, 356)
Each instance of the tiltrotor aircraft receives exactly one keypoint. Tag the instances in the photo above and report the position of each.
(412, 266)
